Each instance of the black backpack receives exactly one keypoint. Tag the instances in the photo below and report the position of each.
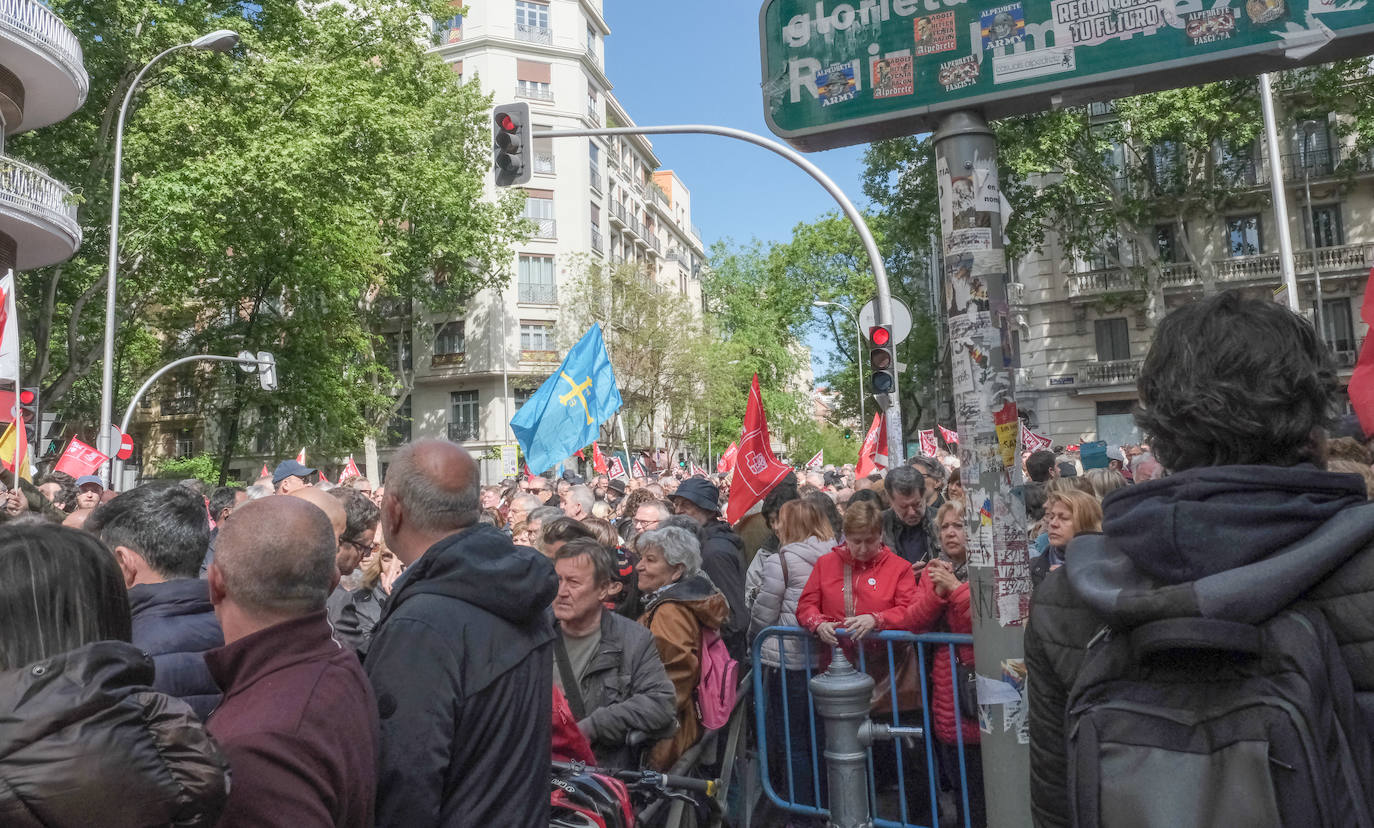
(1194, 722)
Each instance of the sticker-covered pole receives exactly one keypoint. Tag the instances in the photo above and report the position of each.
(982, 362)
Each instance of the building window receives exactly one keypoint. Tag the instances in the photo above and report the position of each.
(532, 22)
(1106, 255)
(1166, 165)
(449, 342)
(1113, 339)
(1243, 235)
(448, 31)
(1313, 139)
(522, 395)
(536, 336)
(539, 210)
(1338, 328)
(536, 284)
(465, 419)
(265, 431)
(185, 443)
(398, 429)
(397, 355)
(591, 40)
(1326, 226)
(538, 90)
(1166, 243)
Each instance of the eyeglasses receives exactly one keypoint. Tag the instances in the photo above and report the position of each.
(365, 547)
(646, 524)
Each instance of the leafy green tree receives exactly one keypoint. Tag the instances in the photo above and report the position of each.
(289, 198)
(202, 467)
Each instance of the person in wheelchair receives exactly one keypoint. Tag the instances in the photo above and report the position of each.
(607, 665)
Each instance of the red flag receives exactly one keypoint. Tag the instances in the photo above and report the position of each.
(951, 438)
(264, 472)
(598, 459)
(350, 470)
(637, 469)
(79, 459)
(1361, 388)
(617, 467)
(727, 460)
(1032, 442)
(757, 471)
(928, 446)
(873, 453)
(300, 458)
(817, 461)
(698, 470)
(324, 478)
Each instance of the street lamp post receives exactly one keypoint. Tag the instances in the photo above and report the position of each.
(1308, 130)
(858, 354)
(221, 40)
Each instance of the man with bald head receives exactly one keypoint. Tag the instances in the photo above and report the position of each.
(460, 660)
(298, 722)
(333, 509)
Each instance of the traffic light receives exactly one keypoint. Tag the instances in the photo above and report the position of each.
(28, 409)
(882, 360)
(267, 371)
(510, 135)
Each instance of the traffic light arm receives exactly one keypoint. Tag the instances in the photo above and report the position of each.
(882, 311)
(157, 375)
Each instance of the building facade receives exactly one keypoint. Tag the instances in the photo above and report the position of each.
(591, 201)
(1086, 325)
(42, 80)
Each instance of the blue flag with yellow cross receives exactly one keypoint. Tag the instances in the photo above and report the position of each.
(567, 411)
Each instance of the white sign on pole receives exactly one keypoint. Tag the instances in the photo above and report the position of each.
(901, 319)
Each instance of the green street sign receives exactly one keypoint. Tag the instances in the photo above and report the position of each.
(838, 73)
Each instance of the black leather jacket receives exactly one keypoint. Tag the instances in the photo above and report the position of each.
(85, 741)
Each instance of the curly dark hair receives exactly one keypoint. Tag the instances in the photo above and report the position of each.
(1231, 380)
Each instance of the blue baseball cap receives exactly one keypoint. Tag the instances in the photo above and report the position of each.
(290, 468)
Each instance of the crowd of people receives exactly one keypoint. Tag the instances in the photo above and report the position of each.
(411, 654)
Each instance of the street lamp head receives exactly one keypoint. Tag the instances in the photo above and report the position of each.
(819, 304)
(221, 40)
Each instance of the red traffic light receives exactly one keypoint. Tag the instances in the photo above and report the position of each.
(506, 122)
(27, 397)
(880, 336)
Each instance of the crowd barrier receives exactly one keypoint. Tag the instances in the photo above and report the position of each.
(786, 718)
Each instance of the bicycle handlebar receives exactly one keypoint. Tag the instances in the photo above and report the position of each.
(667, 780)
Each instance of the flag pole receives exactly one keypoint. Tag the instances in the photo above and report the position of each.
(620, 423)
(12, 307)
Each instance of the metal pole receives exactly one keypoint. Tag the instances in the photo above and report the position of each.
(620, 422)
(842, 697)
(984, 387)
(505, 376)
(118, 465)
(883, 302)
(107, 367)
(1310, 234)
(1276, 190)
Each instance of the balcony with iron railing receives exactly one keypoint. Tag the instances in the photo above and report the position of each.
(593, 56)
(46, 58)
(655, 244)
(596, 239)
(537, 293)
(38, 213)
(544, 228)
(1259, 268)
(534, 34)
(594, 179)
(534, 93)
(177, 406)
(462, 432)
(639, 233)
(1106, 374)
(593, 115)
(1322, 162)
(618, 214)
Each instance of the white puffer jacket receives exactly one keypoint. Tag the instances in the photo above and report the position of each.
(773, 602)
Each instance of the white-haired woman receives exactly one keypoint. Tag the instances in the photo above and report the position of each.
(679, 601)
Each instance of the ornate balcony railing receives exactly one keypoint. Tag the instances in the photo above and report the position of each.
(592, 114)
(534, 34)
(538, 293)
(41, 25)
(537, 93)
(33, 191)
(1094, 282)
(595, 179)
(462, 432)
(177, 406)
(1117, 372)
(544, 228)
(596, 239)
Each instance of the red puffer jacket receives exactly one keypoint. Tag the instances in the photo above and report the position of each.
(883, 586)
(958, 620)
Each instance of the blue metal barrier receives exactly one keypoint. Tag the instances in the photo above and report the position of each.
(798, 647)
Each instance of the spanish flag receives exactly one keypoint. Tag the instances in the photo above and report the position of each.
(14, 433)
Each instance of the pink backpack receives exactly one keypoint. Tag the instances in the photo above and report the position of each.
(719, 683)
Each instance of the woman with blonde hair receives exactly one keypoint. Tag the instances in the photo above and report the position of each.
(773, 586)
(1068, 514)
(359, 616)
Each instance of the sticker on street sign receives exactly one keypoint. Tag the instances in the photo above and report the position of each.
(838, 73)
(901, 319)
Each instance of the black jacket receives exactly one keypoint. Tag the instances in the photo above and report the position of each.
(354, 615)
(84, 740)
(1237, 543)
(911, 543)
(722, 559)
(174, 622)
(461, 665)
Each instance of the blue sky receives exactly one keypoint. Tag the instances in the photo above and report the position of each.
(675, 62)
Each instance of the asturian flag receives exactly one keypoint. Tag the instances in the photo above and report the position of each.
(567, 411)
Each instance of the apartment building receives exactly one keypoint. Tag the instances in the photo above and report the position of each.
(592, 201)
(42, 81)
(1087, 325)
